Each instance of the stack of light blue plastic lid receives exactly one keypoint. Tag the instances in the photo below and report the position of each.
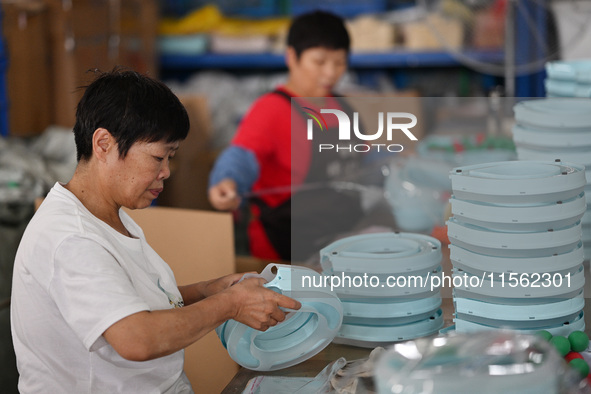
(568, 78)
(516, 246)
(384, 283)
(557, 128)
(301, 335)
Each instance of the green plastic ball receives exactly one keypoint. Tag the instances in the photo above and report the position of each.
(580, 365)
(578, 341)
(561, 344)
(547, 335)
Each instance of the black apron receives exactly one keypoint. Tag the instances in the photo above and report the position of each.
(312, 217)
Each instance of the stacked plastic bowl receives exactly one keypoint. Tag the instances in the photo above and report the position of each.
(557, 128)
(568, 78)
(385, 283)
(516, 246)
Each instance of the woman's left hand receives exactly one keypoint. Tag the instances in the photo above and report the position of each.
(214, 286)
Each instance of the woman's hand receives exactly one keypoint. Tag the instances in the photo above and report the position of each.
(214, 286)
(223, 196)
(258, 307)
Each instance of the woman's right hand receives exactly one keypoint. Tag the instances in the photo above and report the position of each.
(257, 306)
(223, 196)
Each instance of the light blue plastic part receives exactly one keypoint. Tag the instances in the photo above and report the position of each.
(382, 253)
(301, 335)
(552, 139)
(519, 324)
(524, 287)
(413, 286)
(503, 244)
(570, 70)
(518, 182)
(388, 321)
(372, 336)
(578, 324)
(540, 312)
(529, 153)
(554, 113)
(393, 309)
(479, 264)
(541, 217)
(563, 88)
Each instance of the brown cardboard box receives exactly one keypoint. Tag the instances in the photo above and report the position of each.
(187, 185)
(137, 35)
(25, 26)
(87, 35)
(434, 33)
(489, 30)
(198, 246)
(53, 43)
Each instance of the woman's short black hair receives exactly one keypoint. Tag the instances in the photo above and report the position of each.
(318, 29)
(132, 107)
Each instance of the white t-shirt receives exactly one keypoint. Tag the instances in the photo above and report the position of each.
(74, 276)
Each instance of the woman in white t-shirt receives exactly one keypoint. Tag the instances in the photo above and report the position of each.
(94, 309)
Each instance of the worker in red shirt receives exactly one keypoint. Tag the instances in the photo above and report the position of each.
(259, 165)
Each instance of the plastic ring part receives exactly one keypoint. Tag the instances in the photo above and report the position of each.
(524, 244)
(542, 217)
(301, 335)
(564, 329)
(394, 309)
(543, 311)
(403, 287)
(562, 88)
(554, 112)
(572, 70)
(519, 324)
(566, 154)
(518, 182)
(551, 139)
(372, 336)
(511, 287)
(382, 253)
(388, 321)
(479, 264)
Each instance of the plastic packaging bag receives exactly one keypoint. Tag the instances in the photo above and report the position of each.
(488, 362)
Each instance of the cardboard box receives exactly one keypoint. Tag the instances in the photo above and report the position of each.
(28, 49)
(489, 30)
(198, 246)
(190, 168)
(137, 35)
(434, 33)
(53, 43)
(88, 35)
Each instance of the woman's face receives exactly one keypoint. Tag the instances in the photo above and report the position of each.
(317, 70)
(139, 177)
